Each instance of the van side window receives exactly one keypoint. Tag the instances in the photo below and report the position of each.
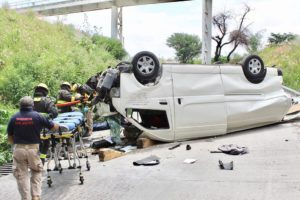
(151, 119)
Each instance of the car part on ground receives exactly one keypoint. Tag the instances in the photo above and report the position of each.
(226, 166)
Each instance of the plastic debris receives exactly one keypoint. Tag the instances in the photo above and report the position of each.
(175, 146)
(149, 161)
(189, 160)
(226, 166)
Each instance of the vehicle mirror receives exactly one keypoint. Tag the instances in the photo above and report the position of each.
(128, 112)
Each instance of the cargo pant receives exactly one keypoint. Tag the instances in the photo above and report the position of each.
(114, 122)
(27, 157)
(89, 121)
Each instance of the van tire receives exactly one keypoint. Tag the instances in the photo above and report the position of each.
(145, 67)
(254, 69)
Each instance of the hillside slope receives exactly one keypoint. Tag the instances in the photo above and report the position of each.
(286, 57)
(34, 51)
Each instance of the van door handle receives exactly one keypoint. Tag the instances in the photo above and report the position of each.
(179, 100)
(163, 102)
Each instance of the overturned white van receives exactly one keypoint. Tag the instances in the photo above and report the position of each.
(177, 102)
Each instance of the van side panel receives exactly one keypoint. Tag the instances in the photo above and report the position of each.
(198, 101)
(251, 105)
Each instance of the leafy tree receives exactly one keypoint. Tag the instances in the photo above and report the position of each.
(236, 37)
(113, 46)
(187, 46)
(255, 42)
(277, 38)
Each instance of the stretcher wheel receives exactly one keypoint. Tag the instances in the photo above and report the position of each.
(88, 166)
(60, 169)
(81, 178)
(49, 181)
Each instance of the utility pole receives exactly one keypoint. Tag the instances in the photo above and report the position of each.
(206, 31)
(117, 23)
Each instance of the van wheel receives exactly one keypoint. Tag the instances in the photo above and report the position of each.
(254, 69)
(145, 67)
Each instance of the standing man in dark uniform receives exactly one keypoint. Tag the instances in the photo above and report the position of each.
(45, 106)
(24, 132)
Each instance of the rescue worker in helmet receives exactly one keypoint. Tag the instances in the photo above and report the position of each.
(65, 95)
(44, 105)
(42, 102)
(86, 92)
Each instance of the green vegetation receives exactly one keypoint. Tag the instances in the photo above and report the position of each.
(5, 113)
(111, 45)
(187, 46)
(278, 38)
(287, 57)
(34, 51)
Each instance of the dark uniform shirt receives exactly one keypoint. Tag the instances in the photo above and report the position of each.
(45, 105)
(26, 126)
(65, 96)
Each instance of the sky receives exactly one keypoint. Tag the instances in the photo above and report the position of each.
(148, 27)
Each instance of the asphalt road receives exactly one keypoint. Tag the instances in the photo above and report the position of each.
(269, 172)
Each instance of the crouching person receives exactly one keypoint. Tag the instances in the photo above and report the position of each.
(24, 132)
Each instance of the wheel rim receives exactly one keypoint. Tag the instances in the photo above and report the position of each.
(145, 65)
(255, 66)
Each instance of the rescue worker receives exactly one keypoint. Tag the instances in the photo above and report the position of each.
(42, 102)
(44, 105)
(24, 132)
(86, 92)
(65, 95)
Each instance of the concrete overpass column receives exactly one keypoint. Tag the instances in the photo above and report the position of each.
(117, 23)
(206, 31)
(120, 25)
(114, 22)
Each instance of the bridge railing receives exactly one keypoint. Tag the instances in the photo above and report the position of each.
(23, 4)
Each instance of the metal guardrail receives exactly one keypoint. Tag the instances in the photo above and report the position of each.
(25, 4)
(291, 91)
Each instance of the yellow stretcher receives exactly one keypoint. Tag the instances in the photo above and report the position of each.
(65, 143)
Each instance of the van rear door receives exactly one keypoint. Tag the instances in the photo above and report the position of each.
(199, 106)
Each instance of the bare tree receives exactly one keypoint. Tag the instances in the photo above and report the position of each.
(221, 22)
(239, 36)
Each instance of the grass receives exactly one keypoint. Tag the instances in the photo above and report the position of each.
(287, 57)
(34, 51)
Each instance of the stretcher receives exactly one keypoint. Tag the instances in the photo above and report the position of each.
(64, 142)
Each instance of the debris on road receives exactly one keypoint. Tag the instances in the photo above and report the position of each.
(175, 146)
(226, 166)
(108, 154)
(188, 147)
(128, 148)
(104, 143)
(232, 149)
(189, 160)
(149, 161)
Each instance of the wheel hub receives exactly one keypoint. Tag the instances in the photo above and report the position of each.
(254, 66)
(146, 65)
